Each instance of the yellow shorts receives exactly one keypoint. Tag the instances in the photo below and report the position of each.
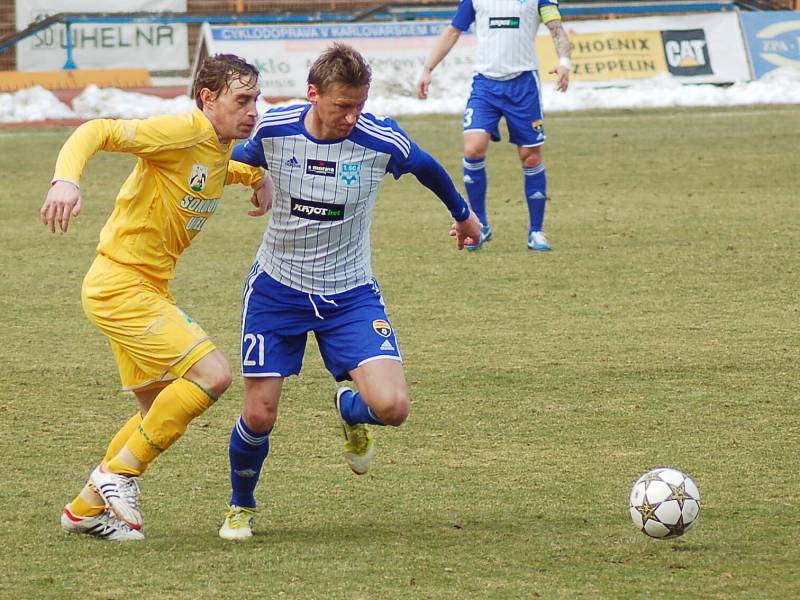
(153, 340)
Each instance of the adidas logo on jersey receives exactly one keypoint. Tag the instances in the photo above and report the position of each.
(387, 345)
(293, 162)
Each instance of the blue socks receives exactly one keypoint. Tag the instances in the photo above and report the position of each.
(535, 194)
(247, 451)
(475, 184)
(354, 410)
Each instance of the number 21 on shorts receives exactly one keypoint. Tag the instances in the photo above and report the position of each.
(253, 344)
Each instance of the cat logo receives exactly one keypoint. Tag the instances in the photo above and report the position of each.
(198, 178)
(687, 52)
(382, 327)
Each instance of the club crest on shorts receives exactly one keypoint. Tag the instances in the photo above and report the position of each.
(198, 177)
(537, 125)
(382, 327)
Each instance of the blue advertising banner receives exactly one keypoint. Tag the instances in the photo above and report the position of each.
(773, 40)
(325, 32)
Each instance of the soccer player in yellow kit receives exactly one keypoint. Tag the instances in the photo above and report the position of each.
(163, 356)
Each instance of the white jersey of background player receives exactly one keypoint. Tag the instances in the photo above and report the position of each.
(505, 84)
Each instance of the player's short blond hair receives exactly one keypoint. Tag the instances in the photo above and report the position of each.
(340, 64)
(219, 71)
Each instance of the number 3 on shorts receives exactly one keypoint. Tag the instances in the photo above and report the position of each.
(468, 116)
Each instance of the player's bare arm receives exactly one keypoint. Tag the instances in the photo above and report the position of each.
(564, 50)
(62, 202)
(446, 40)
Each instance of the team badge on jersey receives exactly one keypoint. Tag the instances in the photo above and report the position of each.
(349, 172)
(326, 168)
(537, 125)
(382, 327)
(198, 177)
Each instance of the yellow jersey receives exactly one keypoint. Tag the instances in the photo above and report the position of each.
(174, 189)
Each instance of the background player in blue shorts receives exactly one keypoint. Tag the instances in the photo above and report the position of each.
(313, 269)
(506, 84)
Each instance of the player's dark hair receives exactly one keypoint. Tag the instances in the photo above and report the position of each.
(340, 64)
(219, 71)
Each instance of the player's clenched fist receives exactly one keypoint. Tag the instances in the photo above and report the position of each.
(63, 201)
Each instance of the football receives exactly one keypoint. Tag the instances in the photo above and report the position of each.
(664, 503)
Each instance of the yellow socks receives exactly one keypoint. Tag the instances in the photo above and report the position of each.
(88, 503)
(166, 421)
(82, 507)
(141, 440)
(117, 443)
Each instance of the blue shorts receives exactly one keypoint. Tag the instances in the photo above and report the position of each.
(518, 100)
(351, 328)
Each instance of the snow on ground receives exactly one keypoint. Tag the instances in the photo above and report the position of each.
(448, 95)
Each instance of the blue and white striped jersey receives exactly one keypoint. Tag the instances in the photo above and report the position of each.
(506, 32)
(318, 237)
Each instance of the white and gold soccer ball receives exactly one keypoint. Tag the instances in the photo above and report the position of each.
(664, 503)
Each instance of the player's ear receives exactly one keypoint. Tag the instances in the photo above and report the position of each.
(206, 97)
(312, 93)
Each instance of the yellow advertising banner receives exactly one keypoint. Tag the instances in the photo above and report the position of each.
(11, 81)
(607, 56)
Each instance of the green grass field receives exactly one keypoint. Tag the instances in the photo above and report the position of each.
(662, 329)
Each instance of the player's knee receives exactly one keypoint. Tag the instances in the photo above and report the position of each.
(213, 373)
(474, 152)
(261, 397)
(221, 380)
(532, 160)
(394, 407)
(259, 416)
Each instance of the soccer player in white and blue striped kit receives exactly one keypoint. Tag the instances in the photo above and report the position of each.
(505, 84)
(313, 273)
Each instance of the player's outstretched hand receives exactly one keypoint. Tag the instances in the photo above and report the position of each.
(63, 201)
(262, 197)
(467, 231)
(423, 84)
(562, 81)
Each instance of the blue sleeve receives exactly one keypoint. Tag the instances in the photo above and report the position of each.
(432, 175)
(465, 15)
(251, 153)
(385, 135)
